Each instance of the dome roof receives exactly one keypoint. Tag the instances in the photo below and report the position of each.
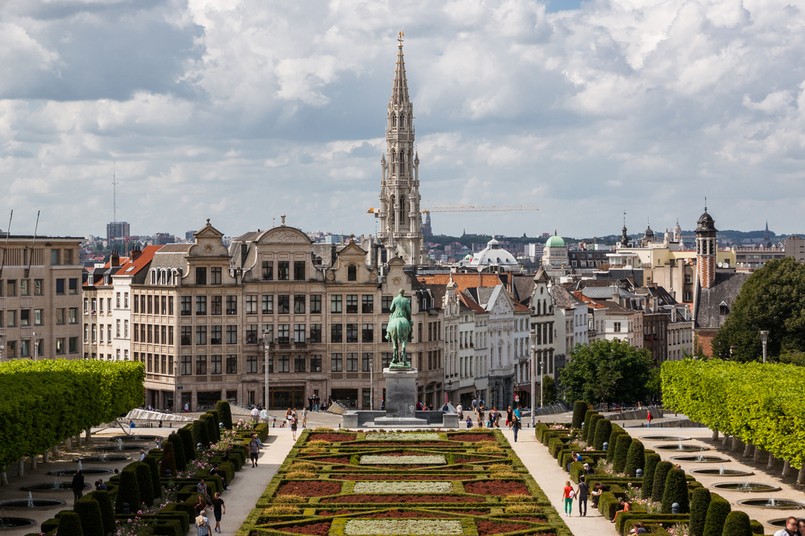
(491, 255)
(705, 223)
(555, 242)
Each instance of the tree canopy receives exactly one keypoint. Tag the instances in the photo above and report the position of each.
(772, 299)
(606, 371)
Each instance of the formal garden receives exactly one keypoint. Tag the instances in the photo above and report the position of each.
(337, 482)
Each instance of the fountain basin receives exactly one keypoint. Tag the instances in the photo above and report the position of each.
(700, 458)
(104, 458)
(137, 437)
(747, 487)
(665, 438)
(772, 503)
(683, 448)
(33, 503)
(722, 472)
(12, 523)
(50, 486)
(86, 471)
(116, 448)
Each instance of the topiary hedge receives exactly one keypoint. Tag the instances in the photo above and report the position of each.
(589, 437)
(622, 444)
(585, 429)
(69, 524)
(676, 491)
(717, 513)
(579, 409)
(128, 493)
(186, 435)
(145, 485)
(178, 451)
(167, 464)
(603, 429)
(90, 514)
(225, 413)
(737, 524)
(699, 501)
(658, 482)
(635, 458)
(652, 459)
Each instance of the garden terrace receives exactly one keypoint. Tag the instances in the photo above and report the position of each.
(382, 483)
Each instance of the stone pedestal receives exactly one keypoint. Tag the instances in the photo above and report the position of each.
(400, 392)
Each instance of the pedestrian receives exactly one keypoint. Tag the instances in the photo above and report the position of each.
(596, 493)
(255, 414)
(254, 449)
(581, 492)
(791, 528)
(515, 425)
(200, 504)
(509, 416)
(218, 510)
(460, 412)
(294, 422)
(142, 455)
(469, 421)
(304, 418)
(801, 524)
(567, 496)
(202, 524)
(264, 416)
(77, 485)
(648, 418)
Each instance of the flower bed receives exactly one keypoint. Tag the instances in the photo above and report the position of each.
(380, 483)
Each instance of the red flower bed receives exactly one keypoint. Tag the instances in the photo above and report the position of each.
(471, 438)
(496, 488)
(398, 514)
(383, 499)
(342, 459)
(333, 437)
(532, 519)
(386, 476)
(497, 527)
(320, 529)
(310, 488)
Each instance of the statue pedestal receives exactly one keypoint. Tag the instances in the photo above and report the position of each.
(400, 399)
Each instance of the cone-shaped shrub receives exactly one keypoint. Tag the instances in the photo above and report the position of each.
(622, 444)
(616, 432)
(90, 514)
(717, 513)
(658, 486)
(216, 429)
(699, 501)
(737, 524)
(212, 428)
(224, 413)
(635, 458)
(101, 496)
(579, 409)
(69, 524)
(585, 429)
(200, 434)
(652, 459)
(128, 492)
(186, 433)
(602, 432)
(178, 451)
(144, 483)
(156, 486)
(594, 420)
(167, 464)
(676, 491)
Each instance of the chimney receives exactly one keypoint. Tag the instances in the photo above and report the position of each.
(114, 260)
(135, 254)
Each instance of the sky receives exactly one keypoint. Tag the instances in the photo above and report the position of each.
(240, 111)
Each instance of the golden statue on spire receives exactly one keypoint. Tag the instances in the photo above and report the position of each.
(400, 37)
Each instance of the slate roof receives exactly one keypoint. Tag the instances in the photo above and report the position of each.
(707, 306)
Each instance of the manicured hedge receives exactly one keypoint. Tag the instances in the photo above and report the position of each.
(676, 491)
(579, 409)
(652, 459)
(70, 524)
(717, 513)
(90, 514)
(635, 458)
(622, 444)
(603, 429)
(660, 474)
(700, 500)
(737, 524)
(589, 437)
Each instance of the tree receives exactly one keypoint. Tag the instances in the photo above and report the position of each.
(771, 299)
(606, 371)
(549, 395)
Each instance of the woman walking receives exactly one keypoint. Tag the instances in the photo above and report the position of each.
(567, 495)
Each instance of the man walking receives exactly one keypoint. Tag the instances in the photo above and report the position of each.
(581, 492)
(254, 449)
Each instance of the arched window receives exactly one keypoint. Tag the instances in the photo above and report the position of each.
(352, 273)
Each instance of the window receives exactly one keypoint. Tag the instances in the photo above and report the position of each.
(215, 334)
(38, 288)
(299, 304)
(201, 365)
(617, 327)
(25, 317)
(352, 332)
(251, 364)
(231, 334)
(385, 359)
(126, 300)
(231, 364)
(315, 363)
(117, 328)
(216, 277)
(366, 361)
(368, 333)
(268, 304)
(59, 287)
(11, 287)
(335, 303)
(299, 270)
(299, 333)
(60, 346)
(284, 333)
(231, 305)
(299, 364)
(68, 256)
(201, 305)
(73, 285)
(187, 306)
(336, 363)
(315, 333)
(268, 270)
(352, 362)
(187, 365)
(352, 273)
(72, 345)
(201, 275)
(60, 316)
(336, 333)
(117, 300)
(201, 334)
(283, 269)
(352, 303)
(367, 303)
(25, 289)
(315, 304)
(72, 315)
(215, 363)
(216, 305)
(54, 257)
(385, 304)
(284, 363)
(251, 304)
(283, 304)
(251, 334)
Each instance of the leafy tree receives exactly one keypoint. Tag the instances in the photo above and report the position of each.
(771, 299)
(549, 394)
(606, 371)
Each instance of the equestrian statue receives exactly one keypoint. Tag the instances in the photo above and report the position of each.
(399, 330)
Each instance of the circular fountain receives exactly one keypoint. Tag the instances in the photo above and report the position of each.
(12, 523)
(51, 486)
(87, 471)
(773, 503)
(103, 458)
(138, 437)
(682, 447)
(700, 458)
(119, 447)
(747, 487)
(30, 502)
(665, 438)
(721, 471)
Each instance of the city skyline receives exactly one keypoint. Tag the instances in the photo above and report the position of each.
(244, 113)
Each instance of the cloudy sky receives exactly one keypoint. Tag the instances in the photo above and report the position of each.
(243, 110)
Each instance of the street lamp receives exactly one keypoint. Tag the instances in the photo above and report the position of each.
(266, 357)
(533, 385)
(371, 384)
(2, 348)
(764, 339)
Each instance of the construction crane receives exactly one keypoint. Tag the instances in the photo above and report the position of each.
(468, 208)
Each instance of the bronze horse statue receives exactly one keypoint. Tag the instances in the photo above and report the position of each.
(398, 330)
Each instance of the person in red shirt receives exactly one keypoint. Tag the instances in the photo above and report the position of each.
(567, 495)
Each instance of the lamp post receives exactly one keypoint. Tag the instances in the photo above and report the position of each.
(266, 357)
(533, 385)
(764, 339)
(371, 384)
(2, 348)
(36, 347)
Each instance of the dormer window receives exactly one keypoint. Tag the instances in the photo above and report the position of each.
(723, 309)
(352, 273)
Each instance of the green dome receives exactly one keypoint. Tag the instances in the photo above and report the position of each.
(555, 242)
